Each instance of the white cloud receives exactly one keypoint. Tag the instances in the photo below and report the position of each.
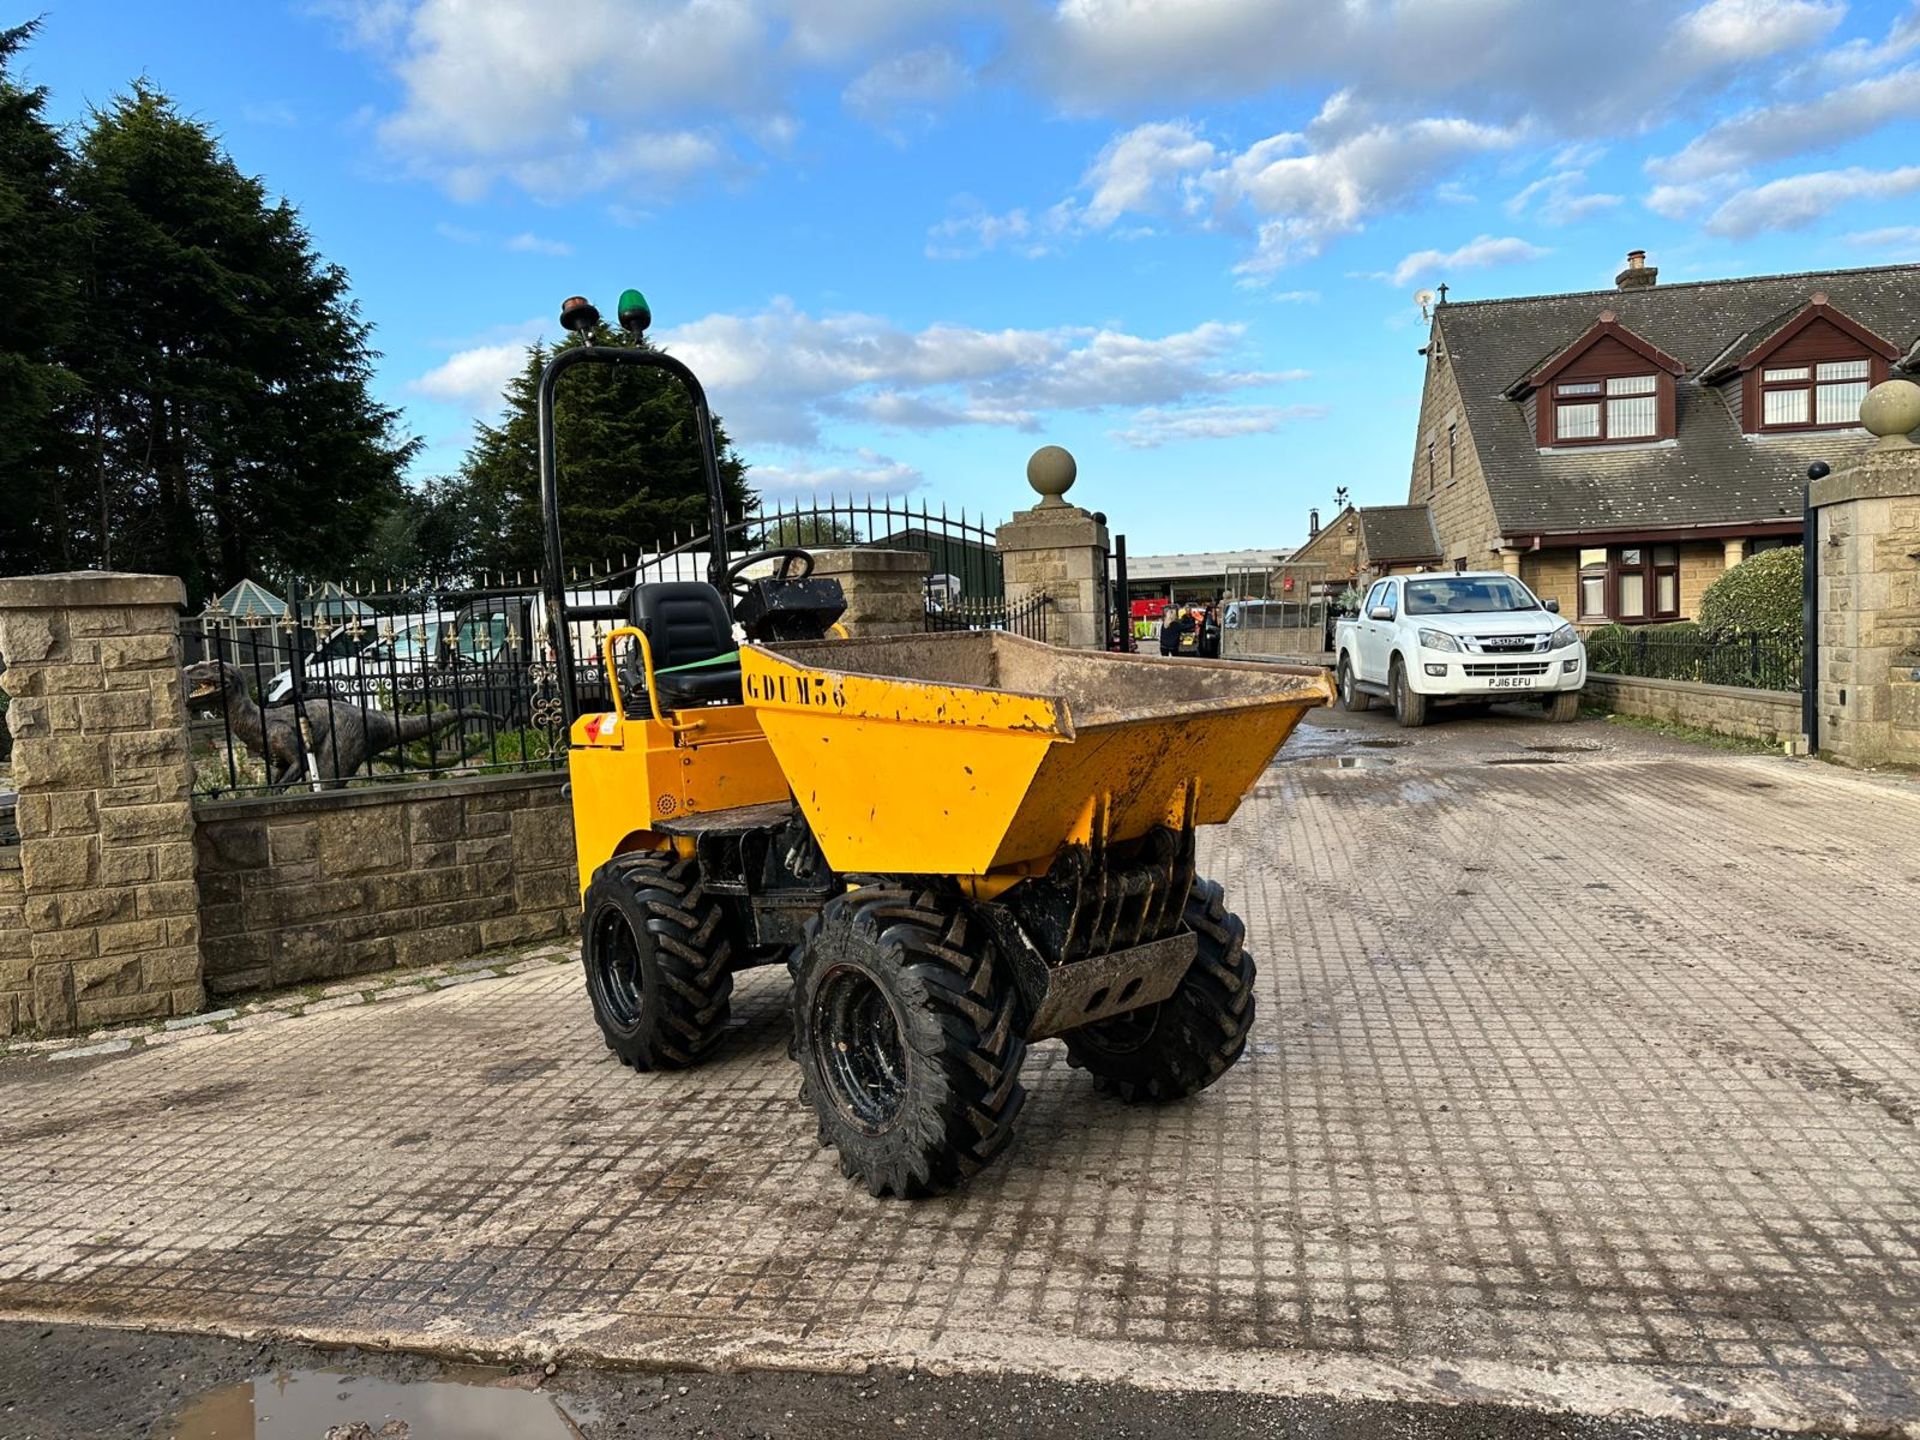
(872, 474)
(1305, 189)
(1561, 199)
(1741, 31)
(1133, 174)
(779, 374)
(973, 231)
(1297, 190)
(1153, 427)
(911, 86)
(1499, 56)
(1294, 297)
(1854, 58)
(1679, 202)
(527, 243)
(1800, 200)
(1904, 238)
(474, 377)
(1477, 254)
(1775, 132)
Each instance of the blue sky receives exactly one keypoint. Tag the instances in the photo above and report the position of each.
(905, 243)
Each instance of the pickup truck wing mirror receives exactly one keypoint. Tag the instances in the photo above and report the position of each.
(1553, 606)
(1380, 612)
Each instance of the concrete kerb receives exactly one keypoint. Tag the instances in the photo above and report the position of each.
(291, 1004)
(1595, 1390)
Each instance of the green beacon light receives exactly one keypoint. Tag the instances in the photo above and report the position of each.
(635, 315)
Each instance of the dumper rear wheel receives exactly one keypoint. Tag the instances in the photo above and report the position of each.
(909, 1036)
(659, 955)
(1189, 1040)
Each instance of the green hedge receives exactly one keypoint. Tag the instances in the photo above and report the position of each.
(1760, 596)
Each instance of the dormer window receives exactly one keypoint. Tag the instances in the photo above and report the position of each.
(1808, 371)
(1609, 387)
(1816, 396)
(1624, 407)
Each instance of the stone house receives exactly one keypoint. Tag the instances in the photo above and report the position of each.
(1365, 542)
(1618, 449)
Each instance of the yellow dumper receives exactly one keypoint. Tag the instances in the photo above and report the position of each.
(959, 843)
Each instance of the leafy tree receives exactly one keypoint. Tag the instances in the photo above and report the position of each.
(1759, 596)
(807, 532)
(227, 412)
(428, 537)
(628, 461)
(38, 288)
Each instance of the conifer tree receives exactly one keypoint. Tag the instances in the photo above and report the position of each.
(628, 459)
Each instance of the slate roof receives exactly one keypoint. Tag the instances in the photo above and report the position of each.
(1397, 534)
(1712, 473)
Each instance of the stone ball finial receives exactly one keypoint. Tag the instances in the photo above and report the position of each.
(1892, 411)
(1050, 471)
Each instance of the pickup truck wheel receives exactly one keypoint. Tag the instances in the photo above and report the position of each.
(1564, 707)
(659, 959)
(1409, 705)
(1351, 696)
(910, 1038)
(1189, 1040)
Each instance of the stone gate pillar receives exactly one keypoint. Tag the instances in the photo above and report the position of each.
(104, 812)
(886, 590)
(1866, 535)
(1058, 550)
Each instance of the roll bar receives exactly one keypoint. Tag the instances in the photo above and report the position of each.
(555, 586)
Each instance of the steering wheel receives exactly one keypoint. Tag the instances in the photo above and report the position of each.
(795, 564)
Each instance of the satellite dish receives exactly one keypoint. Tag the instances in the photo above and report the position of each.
(1424, 299)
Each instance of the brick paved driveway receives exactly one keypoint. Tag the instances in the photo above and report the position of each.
(1589, 1080)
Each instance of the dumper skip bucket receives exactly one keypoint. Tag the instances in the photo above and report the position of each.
(970, 753)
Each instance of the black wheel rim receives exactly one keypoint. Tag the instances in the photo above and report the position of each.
(1126, 1032)
(857, 1046)
(616, 967)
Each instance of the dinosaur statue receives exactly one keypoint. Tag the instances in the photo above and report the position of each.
(339, 737)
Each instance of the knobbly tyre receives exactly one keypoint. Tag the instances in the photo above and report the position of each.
(958, 843)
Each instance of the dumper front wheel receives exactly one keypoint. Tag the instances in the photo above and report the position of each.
(1189, 1040)
(909, 1037)
(659, 957)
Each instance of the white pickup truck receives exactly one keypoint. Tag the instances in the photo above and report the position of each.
(1477, 637)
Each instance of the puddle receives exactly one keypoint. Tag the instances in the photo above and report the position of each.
(1344, 762)
(1583, 749)
(1526, 760)
(1380, 744)
(317, 1405)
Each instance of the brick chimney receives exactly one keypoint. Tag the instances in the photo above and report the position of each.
(1638, 275)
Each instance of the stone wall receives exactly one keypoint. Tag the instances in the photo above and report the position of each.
(318, 886)
(16, 948)
(886, 590)
(1462, 506)
(1869, 663)
(1769, 715)
(106, 828)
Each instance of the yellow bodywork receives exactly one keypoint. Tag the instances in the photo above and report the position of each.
(983, 754)
(976, 755)
(628, 773)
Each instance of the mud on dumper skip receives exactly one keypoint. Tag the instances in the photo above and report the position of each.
(958, 843)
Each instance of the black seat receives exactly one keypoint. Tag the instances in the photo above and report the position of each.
(687, 622)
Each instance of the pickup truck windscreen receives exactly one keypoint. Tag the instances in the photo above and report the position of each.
(1463, 595)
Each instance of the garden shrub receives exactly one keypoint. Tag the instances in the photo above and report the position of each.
(1759, 596)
